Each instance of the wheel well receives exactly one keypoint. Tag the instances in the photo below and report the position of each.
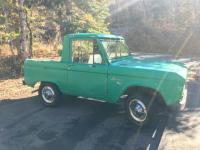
(44, 82)
(149, 91)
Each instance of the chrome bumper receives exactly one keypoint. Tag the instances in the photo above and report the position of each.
(182, 103)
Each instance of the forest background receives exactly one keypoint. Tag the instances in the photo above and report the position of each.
(35, 28)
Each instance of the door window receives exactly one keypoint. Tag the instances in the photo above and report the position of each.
(85, 52)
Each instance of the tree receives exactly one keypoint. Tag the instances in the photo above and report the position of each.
(9, 31)
(22, 26)
(26, 23)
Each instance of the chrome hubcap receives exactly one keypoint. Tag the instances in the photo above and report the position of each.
(138, 110)
(48, 94)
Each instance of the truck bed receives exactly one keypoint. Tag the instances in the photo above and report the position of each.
(36, 70)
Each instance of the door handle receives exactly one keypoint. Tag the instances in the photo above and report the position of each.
(69, 66)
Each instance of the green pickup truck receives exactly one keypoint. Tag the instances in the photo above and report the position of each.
(100, 67)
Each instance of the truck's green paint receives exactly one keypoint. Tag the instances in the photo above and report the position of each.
(108, 81)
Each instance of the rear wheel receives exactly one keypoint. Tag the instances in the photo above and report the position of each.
(141, 109)
(49, 94)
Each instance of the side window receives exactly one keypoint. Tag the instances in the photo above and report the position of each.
(85, 52)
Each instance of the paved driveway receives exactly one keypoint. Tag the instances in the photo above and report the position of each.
(77, 124)
(83, 125)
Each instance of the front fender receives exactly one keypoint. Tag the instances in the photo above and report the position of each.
(171, 91)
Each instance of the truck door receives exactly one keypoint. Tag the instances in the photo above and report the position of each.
(87, 74)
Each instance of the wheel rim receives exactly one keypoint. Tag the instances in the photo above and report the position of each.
(48, 94)
(138, 110)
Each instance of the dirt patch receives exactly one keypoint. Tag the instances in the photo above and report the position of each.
(14, 89)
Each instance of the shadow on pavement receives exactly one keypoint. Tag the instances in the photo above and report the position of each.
(75, 124)
(187, 119)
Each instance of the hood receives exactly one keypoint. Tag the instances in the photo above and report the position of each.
(155, 65)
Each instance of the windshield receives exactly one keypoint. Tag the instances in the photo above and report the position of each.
(115, 48)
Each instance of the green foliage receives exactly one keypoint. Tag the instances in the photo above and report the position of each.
(37, 22)
(50, 20)
(95, 14)
(8, 21)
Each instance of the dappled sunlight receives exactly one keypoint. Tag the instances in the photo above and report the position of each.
(74, 124)
(122, 5)
(183, 126)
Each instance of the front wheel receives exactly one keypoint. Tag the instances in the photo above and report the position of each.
(49, 94)
(139, 109)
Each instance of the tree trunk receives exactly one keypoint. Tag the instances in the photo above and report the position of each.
(30, 49)
(14, 65)
(68, 7)
(68, 4)
(57, 39)
(22, 26)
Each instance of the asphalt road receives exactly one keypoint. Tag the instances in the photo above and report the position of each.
(77, 124)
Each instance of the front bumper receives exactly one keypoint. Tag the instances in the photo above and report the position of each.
(182, 103)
